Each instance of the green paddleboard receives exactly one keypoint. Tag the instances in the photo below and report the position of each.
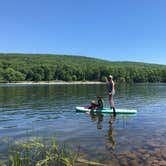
(107, 110)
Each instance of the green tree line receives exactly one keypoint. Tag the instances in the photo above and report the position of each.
(39, 67)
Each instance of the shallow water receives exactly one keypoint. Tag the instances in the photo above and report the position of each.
(45, 110)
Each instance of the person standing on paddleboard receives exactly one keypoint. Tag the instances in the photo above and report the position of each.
(111, 92)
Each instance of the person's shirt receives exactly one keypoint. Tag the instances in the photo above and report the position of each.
(100, 103)
(110, 86)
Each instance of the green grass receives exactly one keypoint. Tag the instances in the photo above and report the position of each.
(38, 152)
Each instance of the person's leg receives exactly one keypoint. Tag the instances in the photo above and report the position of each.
(112, 106)
(114, 112)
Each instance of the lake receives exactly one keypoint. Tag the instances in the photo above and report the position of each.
(46, 110)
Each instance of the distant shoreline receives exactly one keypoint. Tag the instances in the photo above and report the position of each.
(53, 83)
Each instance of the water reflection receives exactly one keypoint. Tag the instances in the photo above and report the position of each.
(99, 117)
(25, 107)
(100, 120)
(111, 137)
(93, 116)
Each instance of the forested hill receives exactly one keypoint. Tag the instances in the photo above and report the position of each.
(39, 67)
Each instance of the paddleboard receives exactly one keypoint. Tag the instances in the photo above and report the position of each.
(107, 110)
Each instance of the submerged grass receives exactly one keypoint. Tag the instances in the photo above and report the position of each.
(37, 152)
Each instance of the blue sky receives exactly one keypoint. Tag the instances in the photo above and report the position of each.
(116, 30)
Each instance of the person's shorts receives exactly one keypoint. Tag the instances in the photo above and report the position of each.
(111, 96)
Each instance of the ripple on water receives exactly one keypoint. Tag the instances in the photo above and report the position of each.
(130, 140)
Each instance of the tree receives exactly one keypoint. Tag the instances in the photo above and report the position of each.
(12, 75)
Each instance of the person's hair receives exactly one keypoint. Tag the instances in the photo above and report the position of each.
(110, 77)
(93, 102)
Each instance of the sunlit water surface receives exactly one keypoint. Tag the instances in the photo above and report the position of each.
(45, 110)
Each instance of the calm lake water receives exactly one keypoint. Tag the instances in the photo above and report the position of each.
(45, 110)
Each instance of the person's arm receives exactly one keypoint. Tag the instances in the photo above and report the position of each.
(113, 86)
(106, 79)
(90, 107)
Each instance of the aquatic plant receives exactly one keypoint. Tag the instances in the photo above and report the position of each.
(42, 152)
(37, 152)
(1, 163)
